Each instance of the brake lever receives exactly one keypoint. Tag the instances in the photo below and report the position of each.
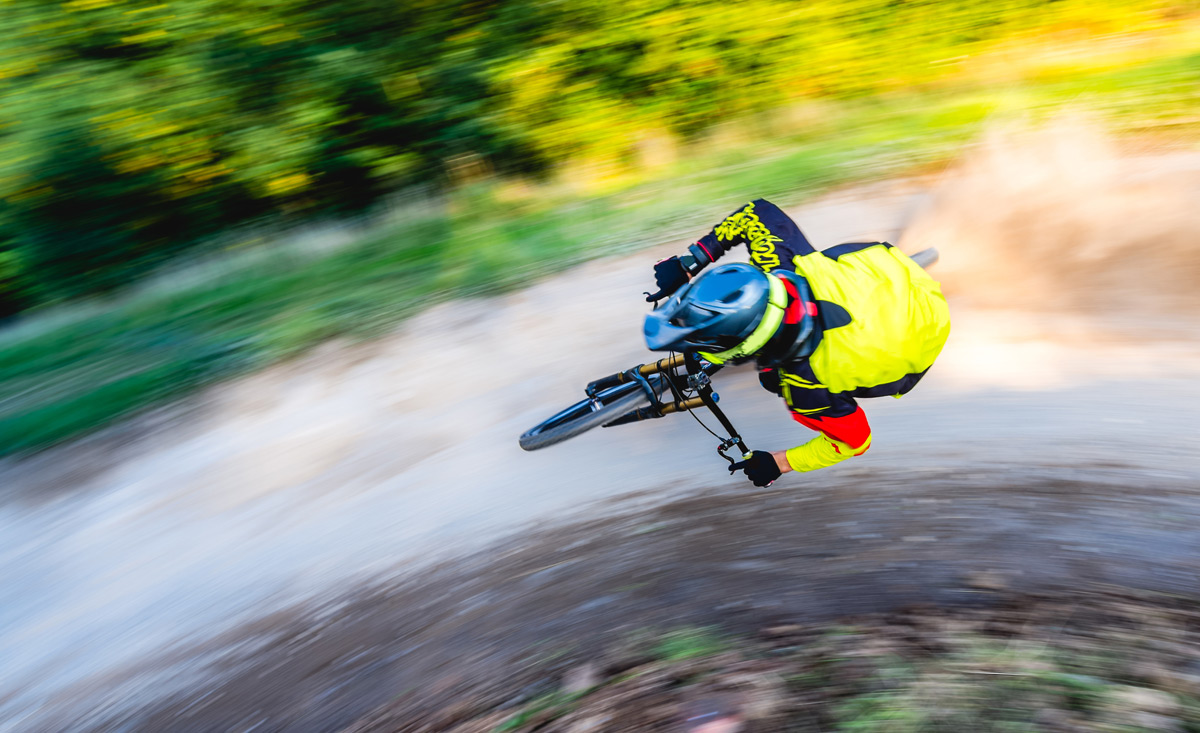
(730, 443)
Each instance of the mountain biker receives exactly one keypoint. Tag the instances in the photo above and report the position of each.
(825, 327)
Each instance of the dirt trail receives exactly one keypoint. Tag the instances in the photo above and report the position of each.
(1046, 444)
(513, 620)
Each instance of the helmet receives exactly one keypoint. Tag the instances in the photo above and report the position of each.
(727, 313)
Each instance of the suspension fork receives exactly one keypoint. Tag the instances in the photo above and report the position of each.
(694, 377)
(666, 365)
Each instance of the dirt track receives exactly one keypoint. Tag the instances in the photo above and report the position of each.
(268, 558)
(739, 560)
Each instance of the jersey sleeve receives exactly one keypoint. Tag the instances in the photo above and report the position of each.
(841, 438)
(842, 424)
(772, 237)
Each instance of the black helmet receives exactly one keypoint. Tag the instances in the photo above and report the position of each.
(729, 312)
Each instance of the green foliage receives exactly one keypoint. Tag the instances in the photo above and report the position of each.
(980, 685)
(62, 377)
(689, 643)
(550, 706)
(12, 283)
(132, 129)
(64, 374)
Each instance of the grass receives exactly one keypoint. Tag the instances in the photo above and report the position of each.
(986, 685)
(671, 646)
(689, 643)
(65, 374)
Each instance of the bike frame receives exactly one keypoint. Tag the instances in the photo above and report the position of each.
(682, 373)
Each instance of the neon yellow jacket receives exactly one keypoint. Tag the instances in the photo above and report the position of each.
(881, 322)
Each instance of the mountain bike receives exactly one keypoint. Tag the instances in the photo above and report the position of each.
(676, 384)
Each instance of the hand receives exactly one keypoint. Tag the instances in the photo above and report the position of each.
(760, 466)
(669, 275)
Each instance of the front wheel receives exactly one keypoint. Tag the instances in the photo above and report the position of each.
(608, 405)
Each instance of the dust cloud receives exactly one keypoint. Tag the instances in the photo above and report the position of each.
(1061, 217)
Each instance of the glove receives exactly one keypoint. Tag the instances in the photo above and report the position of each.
(760, 467)
(669, 275)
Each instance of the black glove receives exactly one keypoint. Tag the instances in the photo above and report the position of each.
(760, 468)
(669, 275)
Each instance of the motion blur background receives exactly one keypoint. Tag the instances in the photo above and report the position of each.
(422, 150)
(195, 195)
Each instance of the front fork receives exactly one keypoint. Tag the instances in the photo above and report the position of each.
(694, 378)
(639, 374)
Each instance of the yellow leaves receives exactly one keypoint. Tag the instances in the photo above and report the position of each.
(131, 123)
(148, 36)
(34, 191)
(288, 184)
(701, 67)
(193, 180)
(146, 9)
(269, 35)
(78, 5)
(21, 68)
(206, 173)
(140, 163)
(284, 36)
(668, 20)
(139, 142)
(402, 86)
(394, 166)
(161, 130)
(466, 37)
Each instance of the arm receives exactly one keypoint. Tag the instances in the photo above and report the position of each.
(843, 425)
(840, 438)
(772, 237)
(841, 422)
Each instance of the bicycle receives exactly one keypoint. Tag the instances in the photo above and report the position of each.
(676, 384)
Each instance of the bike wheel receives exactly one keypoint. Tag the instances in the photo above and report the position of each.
(584, 415)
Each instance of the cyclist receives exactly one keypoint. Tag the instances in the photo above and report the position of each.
(825, 327)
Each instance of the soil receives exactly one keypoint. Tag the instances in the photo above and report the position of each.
(487, 636)
(1073, 662)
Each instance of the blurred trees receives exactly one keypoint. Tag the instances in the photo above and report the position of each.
(131, 129)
